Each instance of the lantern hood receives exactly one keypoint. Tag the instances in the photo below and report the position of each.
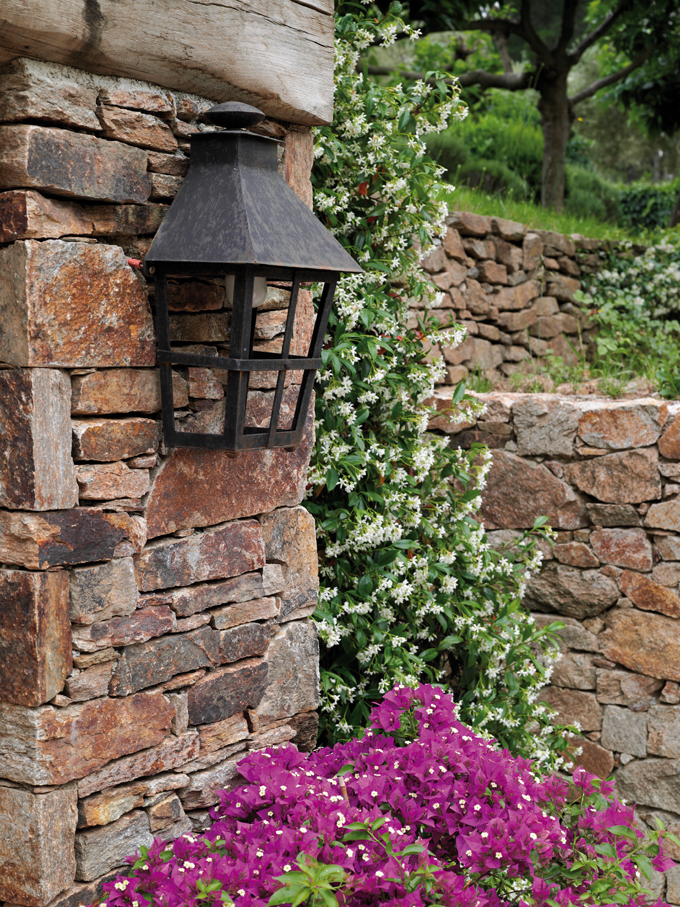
(234, 208)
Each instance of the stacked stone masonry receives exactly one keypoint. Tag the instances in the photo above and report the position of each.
(513, 290)
(607, 476)
(154, 622)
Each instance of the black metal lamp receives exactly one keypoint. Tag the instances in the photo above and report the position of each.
(236, 218)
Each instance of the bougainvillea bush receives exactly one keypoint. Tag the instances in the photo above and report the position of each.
(410, 589)
(419, 811)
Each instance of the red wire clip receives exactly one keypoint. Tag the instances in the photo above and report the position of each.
(135, 262)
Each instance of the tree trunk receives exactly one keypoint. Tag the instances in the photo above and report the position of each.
(556, 119)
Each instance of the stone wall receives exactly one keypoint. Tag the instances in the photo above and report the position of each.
(607, 476)
(154, 612)
(513, 289)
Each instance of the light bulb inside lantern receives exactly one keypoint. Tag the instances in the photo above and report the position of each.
(259, 290)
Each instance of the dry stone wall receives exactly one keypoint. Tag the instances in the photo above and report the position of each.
(607, 475)
(513, 289)
(155, 603)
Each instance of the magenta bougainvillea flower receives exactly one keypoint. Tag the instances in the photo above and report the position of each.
(420, 811)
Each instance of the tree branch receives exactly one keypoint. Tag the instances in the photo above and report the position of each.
(568, 24)
(500, 39)
(598, 32)
(527, 31)
(512, 81)
(609, 80)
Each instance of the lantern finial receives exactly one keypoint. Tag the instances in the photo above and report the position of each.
(234, 115)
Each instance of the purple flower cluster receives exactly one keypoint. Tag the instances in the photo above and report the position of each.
(491, 834)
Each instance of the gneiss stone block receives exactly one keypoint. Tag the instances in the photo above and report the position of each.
(26, 214)
(108, 481)
(125, 631)
(36, 90)
(36, 468)
(203, 487)
(36, 845)
(72, 305)
(114, 439)
(290, 540)
(293, 683)
(72, 164)
(103, 848)
(225, 551)
(35, 636)
(167, 755)
(122, 390)
(39, 541)
(644, 642)
(226, 691)
(157, 661)
(103, 591)
(244, 642)
(52, 746)
(243, 612)
(125, 220)
(619, 478)
(111, 804)
(194, 599)
(574, 593)
(136, 128)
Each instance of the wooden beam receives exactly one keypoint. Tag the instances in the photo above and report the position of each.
(275, 54)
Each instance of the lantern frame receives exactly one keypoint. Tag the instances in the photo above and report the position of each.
(243, 359)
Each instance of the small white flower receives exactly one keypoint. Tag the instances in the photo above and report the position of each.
(287, 867)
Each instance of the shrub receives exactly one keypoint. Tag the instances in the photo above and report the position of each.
(449, 151)
(493, 177)
(648, 205)
(589, 195)
(410, 589)
(420, 811)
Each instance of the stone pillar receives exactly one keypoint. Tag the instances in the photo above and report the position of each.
(155, 621)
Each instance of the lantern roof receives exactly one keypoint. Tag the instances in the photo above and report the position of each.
(234, 208)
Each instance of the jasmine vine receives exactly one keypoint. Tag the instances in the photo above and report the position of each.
(410, 589)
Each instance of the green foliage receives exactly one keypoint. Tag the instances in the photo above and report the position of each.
(589, 195)
(410, 588)
(313, 884)
(648, 205)
(492, 177)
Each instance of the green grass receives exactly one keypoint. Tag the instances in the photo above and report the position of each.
(477, 202)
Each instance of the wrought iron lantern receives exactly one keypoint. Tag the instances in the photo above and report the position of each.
(236, 219)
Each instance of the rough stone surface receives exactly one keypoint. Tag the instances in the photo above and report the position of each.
(103, 591)
(622, 688)
(575, 554)
(35, 636)
(108, 440)
(156, 661)
(669, 442)
(202, 487)
(593, 758)
(123, 390)
(624, 731)
(36, 468)
(668, 574)
(290, 540)
(39, 541)
(91, 683)
(53, 746)
(648, 595)
(572, 636)
(518, 492)
(125, 631)
(621, 478)
(222, 552)
(644, 642)
(654, 782)
(623, 548)
(293, 684)
(226, 691)
(32, 90)
(664, 731)
(244, 642)
(668, 547)
(574, 706)
(195, 599)
(36, 845)
(111, 480)
(613, 515)
(70, 304)
(25, 214)
(73, 164)
(100, 849)
(136, 128)
(544, 426)
(168, 755)
(202, 790)
(664, 516)
(111, 804)
(223, 733)
(571, 592)
(619, 426)
(574, 670)
(240, 613)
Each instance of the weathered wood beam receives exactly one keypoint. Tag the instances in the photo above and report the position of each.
(276, 54)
